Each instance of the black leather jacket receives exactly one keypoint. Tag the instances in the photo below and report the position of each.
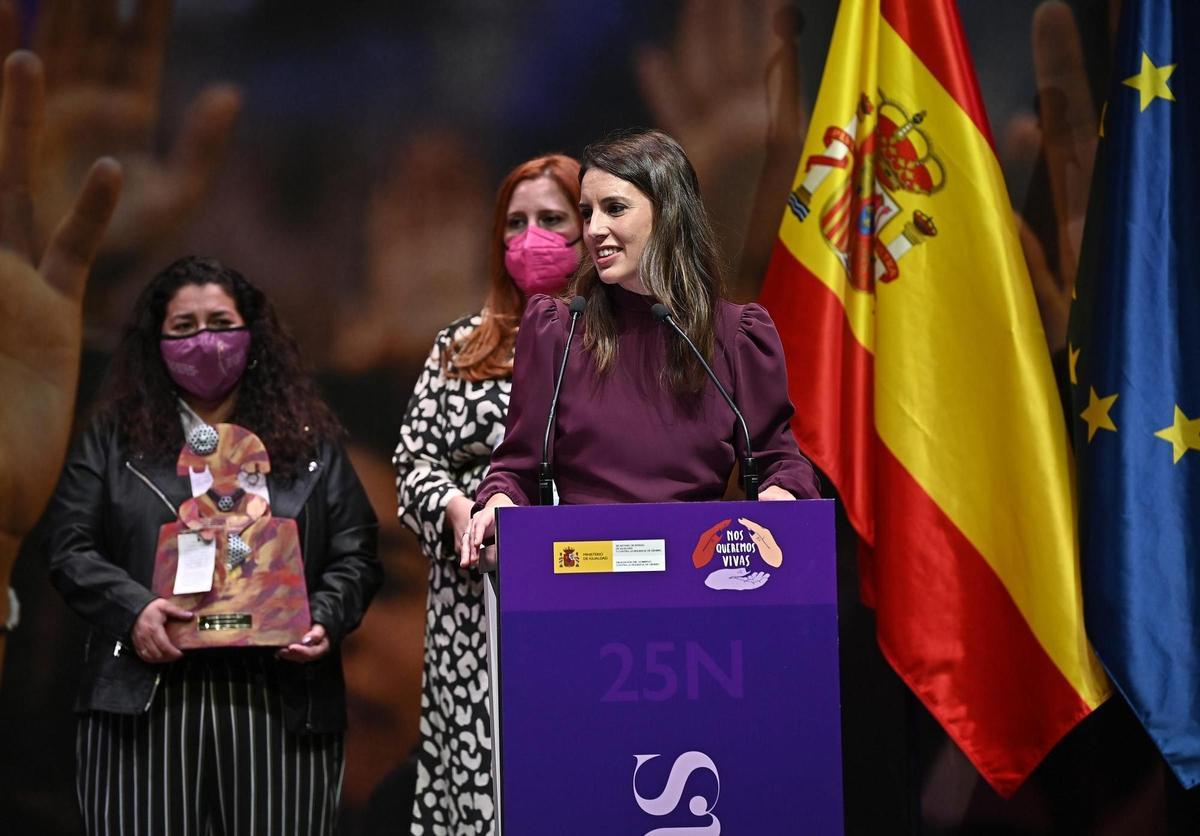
(104, 521)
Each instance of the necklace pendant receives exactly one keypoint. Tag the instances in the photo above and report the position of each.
(236, 551)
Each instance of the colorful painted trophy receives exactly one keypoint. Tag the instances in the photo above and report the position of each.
(225, 558)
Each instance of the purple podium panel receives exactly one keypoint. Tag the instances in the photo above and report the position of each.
(669, 669)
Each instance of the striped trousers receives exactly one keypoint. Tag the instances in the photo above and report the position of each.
(211, 756)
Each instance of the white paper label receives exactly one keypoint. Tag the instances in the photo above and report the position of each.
(639, 555)
(197, 561)
(201, 480)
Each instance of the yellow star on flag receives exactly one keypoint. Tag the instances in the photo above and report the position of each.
(1151, 82)
(1072, 361)
(1096, 415)
(1184, 434)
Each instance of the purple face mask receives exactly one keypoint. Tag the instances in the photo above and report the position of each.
(540, 261)
(207, 364)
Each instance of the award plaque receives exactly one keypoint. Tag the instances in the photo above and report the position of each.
(226, 558)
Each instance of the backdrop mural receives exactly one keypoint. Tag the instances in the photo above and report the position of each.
(344, 156)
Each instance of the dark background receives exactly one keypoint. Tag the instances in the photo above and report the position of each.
(357, 190)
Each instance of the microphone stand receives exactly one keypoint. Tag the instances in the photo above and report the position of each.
(749, 466)
(545, 471)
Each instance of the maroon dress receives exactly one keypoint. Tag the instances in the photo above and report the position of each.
(625, 436)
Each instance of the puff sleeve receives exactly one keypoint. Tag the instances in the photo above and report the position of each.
(540, 341)
(760, 381)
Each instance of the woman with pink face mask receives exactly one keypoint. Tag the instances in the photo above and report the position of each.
(235, 739)
(638, 418)
(455, 418)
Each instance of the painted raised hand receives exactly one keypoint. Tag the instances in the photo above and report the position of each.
(424, 268)
(103, 80)
(1064, 134)
(728, 88)
(41, 315)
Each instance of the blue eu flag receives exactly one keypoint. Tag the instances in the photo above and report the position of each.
(1134, 344)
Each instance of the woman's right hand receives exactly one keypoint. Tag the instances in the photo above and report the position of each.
(150, 640)
(481, 527)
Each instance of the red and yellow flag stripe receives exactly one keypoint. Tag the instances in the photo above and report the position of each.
(924, 389)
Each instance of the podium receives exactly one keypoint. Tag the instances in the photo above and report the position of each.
(665, 669)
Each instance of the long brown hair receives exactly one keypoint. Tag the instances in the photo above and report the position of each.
(276, 396)
(486, 352)
(679, 266)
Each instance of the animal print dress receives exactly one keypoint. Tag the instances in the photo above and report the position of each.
(445, 446)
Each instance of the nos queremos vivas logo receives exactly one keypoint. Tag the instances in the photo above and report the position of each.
(740, 553)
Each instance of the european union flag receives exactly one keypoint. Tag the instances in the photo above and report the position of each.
(1134, 346)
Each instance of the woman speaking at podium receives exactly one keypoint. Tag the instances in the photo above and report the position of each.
(638, 419)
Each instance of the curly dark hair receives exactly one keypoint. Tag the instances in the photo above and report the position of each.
(276, 396)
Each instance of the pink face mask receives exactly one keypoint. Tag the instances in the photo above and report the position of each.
(540, 261)
(207, 364)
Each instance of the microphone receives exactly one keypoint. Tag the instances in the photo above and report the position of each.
(749, 465)
(545, 472)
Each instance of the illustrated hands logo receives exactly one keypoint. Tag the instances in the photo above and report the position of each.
(707, 546)
(736, 573)
(761, 536)
(736, 579)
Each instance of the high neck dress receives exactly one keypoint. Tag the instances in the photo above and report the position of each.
(625, 436)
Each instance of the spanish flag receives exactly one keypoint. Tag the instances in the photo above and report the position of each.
(923, 388)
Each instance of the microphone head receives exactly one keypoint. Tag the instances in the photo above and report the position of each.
(661, 312)
(577, 305)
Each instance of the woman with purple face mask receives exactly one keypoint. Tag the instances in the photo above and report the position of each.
(455, 418)
(248, 737)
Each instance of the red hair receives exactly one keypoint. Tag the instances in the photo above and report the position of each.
(486, 353)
